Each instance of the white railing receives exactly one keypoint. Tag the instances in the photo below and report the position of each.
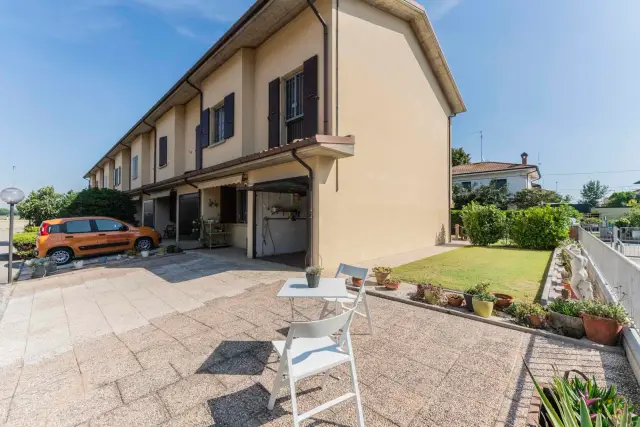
(622, 276)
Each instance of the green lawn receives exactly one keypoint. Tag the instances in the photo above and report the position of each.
(516, 272)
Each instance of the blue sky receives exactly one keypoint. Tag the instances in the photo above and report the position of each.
(557, 79)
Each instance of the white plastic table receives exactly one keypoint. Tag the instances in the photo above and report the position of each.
(298, 288)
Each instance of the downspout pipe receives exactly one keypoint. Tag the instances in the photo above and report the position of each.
(155, 136)
(294, 154)
(199, 141)
(325, 66)
(450, 190)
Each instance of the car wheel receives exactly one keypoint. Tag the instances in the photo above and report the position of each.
(144, 244)
(61, 256)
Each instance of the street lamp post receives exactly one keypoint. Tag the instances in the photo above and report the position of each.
(11, 196)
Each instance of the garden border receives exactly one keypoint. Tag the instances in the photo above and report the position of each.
(552, 274)
(538, 332)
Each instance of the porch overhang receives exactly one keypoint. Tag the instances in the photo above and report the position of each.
(335, 147)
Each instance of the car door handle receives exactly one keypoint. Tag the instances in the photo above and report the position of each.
(68, 237)
(101, 234)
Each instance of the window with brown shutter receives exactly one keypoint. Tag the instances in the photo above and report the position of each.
(310, 97)
(274, 113)
(162, 151)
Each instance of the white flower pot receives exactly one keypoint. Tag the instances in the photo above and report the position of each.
(145, 254)
(78, 264)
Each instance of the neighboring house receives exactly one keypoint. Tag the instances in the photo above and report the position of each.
(292, 153)
(515, 176)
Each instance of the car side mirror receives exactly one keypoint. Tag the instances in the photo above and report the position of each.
(124, 228)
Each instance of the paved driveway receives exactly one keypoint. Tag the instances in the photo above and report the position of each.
(187, 343)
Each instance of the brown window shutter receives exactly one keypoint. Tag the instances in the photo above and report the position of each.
(227, 205)
(162, 151)
(274, 113)
(310, 97)
(229, 115)
(204, 127)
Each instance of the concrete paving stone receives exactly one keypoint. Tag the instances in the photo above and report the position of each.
(88, 350)
(95, 404)
(234, 328)
(393, 401)
(146, 411)
(120, 314)
(203, 343)
(444, 407)
(269, 332)
(434, 355)
(4, 409)
(199, 416)
(9, 376)
(145, 338)
(18, 309)
(237, 344)
(84, 317)
(179, 326)
(211, 316)
(146, 381)
(49, 382)
(50, 367)
(417, 377)
(13, 341)
(108, 368)
(236, 369)
(188, 392)
(483, 362)
(345, 415)
(257, 317)
(47, 344)
(149, 305)
(163, 354)
(178, 300)
(238, 404)
(474, 386)
(193, 364)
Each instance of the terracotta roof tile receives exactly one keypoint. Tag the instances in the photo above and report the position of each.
(481, 167)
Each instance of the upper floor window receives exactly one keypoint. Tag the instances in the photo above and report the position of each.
(162, 151)
(134, 167)
(466, 185)
(218, 124)
(293, 113)
(500, 183)
(105, 182)
(117, 176)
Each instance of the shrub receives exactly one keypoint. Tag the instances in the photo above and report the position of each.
(483, 224)
(480, 288)
(606, 310)
(521, 310)
(25, 244)
(43, 204)
(621, 222)
(101, 202)
(31, 229)
(541, 227)
(568, 307)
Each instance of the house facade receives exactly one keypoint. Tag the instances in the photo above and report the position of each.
(514, 176)
(313, 128)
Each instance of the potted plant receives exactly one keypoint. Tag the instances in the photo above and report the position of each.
(483, 304)
(504, 300)
(78, 264)
(356, 281)
(145, 254)
(382, 274)
(433, 294)
(313, 276)
(131, 253)
(392, 284)
(480, 288)
(171, 249)
(455, 300)
(161, 251)
(603, 322)
(533, 315)
(564, 316)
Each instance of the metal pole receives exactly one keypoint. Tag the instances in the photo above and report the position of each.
(10, 268)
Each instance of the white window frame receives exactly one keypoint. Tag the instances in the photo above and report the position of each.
(217, 125)
(293, 102)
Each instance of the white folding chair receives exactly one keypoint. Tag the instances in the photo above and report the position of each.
(342, 304)
(310, 349)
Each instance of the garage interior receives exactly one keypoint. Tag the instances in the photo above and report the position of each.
(281, 221)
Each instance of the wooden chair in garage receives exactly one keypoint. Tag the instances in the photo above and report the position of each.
(355, 300)
(311, 349)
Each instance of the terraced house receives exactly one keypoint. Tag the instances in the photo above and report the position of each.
(317, 129)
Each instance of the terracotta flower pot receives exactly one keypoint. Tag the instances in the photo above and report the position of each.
(482, 308)
(504, 301)
(601, 330)
(468, 300)
(455, 300)
(381, 277)
(392, 285)
(570, 326)
(356, 282)
(535, 320)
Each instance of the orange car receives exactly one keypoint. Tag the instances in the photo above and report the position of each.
(65, 238)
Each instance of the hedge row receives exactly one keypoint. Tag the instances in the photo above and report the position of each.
(533, 228)
(25, 244)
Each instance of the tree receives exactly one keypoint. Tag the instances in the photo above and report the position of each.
(593, 192)
(491, 194)
(459, 157)
(621, 199)
(101, 202)
(43, 204)
(530, 197)
(4, 211)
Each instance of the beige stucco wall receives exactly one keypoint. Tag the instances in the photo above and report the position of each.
(166, 126)
(123, 161)
(224, 81)
(108, 173)
(100, 178)
(138, 150)
(393, 194)
(281, 55)
(191, 120)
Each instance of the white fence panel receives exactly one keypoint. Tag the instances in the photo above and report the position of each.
(621, 274)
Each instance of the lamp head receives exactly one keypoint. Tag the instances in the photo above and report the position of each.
(11, 195)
